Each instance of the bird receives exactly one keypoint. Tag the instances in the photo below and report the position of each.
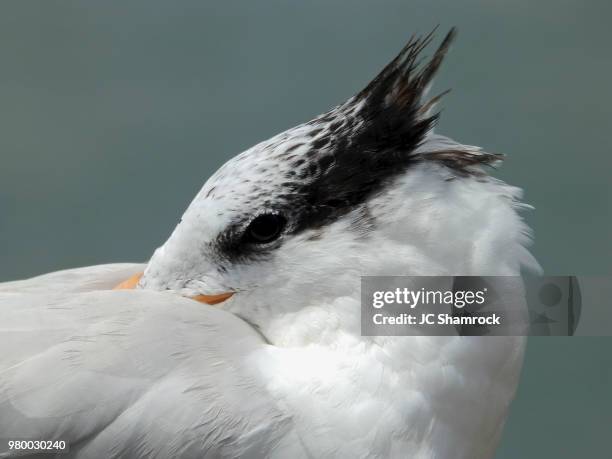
(241, 338)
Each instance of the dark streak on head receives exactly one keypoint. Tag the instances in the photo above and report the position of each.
(293, 147)
(462, 161)
(211, 191)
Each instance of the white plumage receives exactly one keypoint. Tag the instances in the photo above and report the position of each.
(129, 374)
(280, 369)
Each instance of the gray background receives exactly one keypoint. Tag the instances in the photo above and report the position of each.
(114, 113)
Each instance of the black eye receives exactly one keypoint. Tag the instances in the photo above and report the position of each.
(264, 229)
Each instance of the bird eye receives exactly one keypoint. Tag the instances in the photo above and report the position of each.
(264, 228)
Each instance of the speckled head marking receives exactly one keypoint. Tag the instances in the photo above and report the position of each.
(321, 170)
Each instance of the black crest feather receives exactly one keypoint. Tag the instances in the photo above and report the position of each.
(393, 110)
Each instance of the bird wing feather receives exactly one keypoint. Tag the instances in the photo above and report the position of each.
(130, 373)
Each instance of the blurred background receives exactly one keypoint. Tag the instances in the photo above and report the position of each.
(114, 113)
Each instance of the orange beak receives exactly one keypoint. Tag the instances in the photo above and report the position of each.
(132, 282)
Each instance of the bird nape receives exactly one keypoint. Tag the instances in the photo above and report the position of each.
(277, 240)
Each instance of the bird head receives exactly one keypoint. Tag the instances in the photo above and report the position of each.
(365, 188)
